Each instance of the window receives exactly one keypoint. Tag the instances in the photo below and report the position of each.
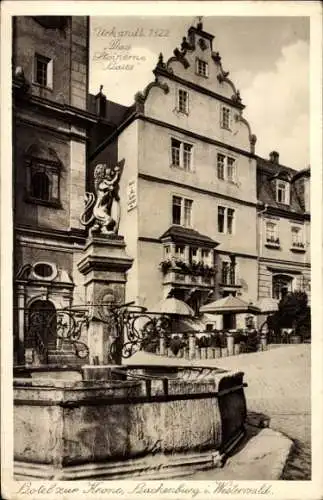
(297, 237)
(193, 255)
(202, 68)
(225, 272)
(42, 176)
(176, 152)
(43, 71)
(226, 220)
(271, 233)
(181, 154)
(44, 270)
(220, 166)
(206, 257)
(187, 152)
(167, 251)
(221, 214)
(182, 211)
(281, 285)
(179, 250)
(230, 169)
(182, 104)
(282, 192)
(226, 168)
(228, 274)
(272, 237)
(230, 218)
(177, 204)
(225, 117)
(40, 186)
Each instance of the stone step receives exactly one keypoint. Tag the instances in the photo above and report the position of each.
(64, 358)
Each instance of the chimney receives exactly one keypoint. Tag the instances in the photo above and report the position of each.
(100, 103)
(274, 157)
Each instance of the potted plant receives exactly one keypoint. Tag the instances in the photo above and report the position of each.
(165, 266)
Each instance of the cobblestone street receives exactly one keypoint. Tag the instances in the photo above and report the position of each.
(279, 386)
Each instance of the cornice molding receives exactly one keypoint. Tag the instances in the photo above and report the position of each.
(272, 262)
(196, 189)
(287, 214)
(51, 129)
(65, 111)
(195, 135)
(70, 235)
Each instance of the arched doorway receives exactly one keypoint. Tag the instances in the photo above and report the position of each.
(42, 327)
(282, 284)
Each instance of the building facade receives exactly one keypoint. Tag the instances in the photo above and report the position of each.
(284, 229)
(202, 215)
(50, 130)
(190, 161)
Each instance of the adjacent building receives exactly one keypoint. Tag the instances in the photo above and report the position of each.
(283, 228)
(50, 131)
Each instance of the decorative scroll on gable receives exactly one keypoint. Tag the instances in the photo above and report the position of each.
(141, 97)
(198, 43)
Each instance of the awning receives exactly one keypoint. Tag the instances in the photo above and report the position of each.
(229, 304)
(173, 306)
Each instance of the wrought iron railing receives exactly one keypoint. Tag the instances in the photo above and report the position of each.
(130, 329)
(51, 331)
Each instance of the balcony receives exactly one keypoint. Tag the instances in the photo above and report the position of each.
(272, 243)
(181, 273)
(298, 246)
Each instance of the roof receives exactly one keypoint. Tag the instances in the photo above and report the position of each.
(186, 235)
(229, 304)
(115, 113)
(267, 171)
(274, 168)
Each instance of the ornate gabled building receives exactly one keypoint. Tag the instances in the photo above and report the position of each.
(190, 217)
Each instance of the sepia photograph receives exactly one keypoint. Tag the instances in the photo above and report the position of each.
(161, 273)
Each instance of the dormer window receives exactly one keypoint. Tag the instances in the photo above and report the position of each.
(202, 68)
(282, 192)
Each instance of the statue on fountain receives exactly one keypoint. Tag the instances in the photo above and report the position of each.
(105, 202)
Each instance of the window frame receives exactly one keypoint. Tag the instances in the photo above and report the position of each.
(220, 164)
(228, 273)
(225, 167)
(185, 111)
(35, 166)
(286, 189)
(222, 124)
(205, 65)
(226, 210)
(271, 239)
(181, 157)
(49, 71)
(182, 219)
(298, 243)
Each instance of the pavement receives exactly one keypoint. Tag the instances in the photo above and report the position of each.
(278, 386)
